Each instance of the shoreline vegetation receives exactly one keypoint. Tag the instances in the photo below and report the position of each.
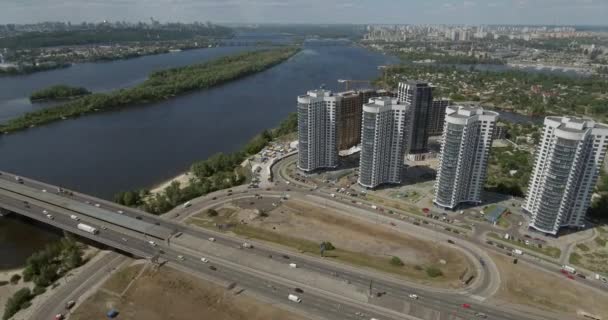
(161, 85)
(58, 92)
(220, 171)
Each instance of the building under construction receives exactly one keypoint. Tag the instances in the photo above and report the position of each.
(349, 115)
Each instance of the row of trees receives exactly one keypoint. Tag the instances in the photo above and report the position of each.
(58, 92)
(160, 86)
(220, 171)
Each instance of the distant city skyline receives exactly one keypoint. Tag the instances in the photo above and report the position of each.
(559, 12)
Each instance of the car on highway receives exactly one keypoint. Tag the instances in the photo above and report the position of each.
(413, 296)
(45, 212)
(50, 216)
(74, 217)
(285, 256)
(120, 211)
(187, 204)
(104, 228)
(298, 290)
(181, 258)
(247, 245)
(152, 243)
(204, 260)
(43, 190)
(97, 205)
(466, 306)
(212, 268)
(70, 304)
(124, 239)
(212, 239)
(59, 316)
(481, 315)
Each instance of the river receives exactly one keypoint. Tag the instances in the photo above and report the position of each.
(105, 153)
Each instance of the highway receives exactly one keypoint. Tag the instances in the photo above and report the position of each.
(321, 304)
(445, 302)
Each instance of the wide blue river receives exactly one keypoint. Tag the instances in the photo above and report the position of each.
(138, 147)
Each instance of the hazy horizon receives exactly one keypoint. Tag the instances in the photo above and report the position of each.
(470, 12)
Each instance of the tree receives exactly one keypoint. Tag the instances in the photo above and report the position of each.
(19, 300)
(327, 245)
(212, 212)
(434, 272)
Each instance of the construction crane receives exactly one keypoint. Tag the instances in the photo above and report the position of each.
(347, 82)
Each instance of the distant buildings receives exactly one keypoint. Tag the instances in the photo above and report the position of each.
(418, 95)
(465, 148)
(437, 116)
(384, 140)
(567, 165)
(317, 130)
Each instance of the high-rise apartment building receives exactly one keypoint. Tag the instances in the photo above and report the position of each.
(465, 148)
(568, 162)
(418, 95)
(384, 139)
(437, 116)
(317, 130)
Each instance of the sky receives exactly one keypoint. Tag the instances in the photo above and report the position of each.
(562, 12)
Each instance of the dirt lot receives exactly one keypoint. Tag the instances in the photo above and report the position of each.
(525, 285)
(169, 294)
(302, 226)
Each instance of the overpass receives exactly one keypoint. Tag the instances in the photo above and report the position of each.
(129, 230)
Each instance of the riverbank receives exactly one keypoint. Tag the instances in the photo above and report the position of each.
(161, 85)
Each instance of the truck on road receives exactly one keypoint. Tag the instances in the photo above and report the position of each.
(87, 228)
(569, 269)
(294, 298)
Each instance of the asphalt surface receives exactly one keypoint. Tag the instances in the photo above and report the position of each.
(318, 304)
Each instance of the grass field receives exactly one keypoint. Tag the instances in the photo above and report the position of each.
(169, 294)
(302, 227)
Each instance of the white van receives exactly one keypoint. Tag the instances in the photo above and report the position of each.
(187, 204)
(294, 298)
(293, 265)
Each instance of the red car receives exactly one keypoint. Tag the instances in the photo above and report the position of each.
(466, 306)
(425, 210)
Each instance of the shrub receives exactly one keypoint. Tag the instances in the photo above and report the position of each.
(418, 268)
(395, 261)
(15, 279)
(600, 242)
(434, 272)
(212, 212)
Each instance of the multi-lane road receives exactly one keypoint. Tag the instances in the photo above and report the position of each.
(318, 302)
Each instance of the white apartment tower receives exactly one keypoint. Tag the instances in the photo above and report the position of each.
(385, 133)
(317, 130)
(568, 162)
(463, 161)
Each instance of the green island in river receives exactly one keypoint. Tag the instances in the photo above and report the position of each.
(160, 85)
(58, 92)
